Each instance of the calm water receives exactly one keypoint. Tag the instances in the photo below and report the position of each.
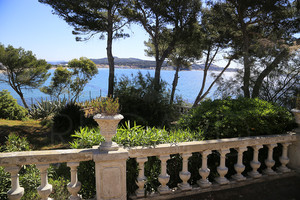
(188, 85)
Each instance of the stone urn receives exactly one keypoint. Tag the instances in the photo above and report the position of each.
(296, 113)
(108, 128)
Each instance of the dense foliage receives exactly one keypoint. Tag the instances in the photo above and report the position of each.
(140, 102)
(9, 108)
(67, 120)
(237, 118)
(137, 135)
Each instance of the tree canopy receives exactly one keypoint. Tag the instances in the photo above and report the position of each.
(90, 18)
(262, 35)
(22, 70)
(163, 20)
(71, 81)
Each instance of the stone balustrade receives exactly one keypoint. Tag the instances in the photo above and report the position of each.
(110, 166)
(205, 148)
(14, 160)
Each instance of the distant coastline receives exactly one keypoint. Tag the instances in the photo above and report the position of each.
(135, 63)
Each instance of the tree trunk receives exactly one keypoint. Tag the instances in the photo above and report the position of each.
(266, 72)
(18, 91)
(110, 57)
(157, 75)
(246, 58)
(160, 60)
(206, 67)
(174, 84)
(200, 97)
(23, 100)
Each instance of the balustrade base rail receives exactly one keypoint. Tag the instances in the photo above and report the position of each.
(177, 193)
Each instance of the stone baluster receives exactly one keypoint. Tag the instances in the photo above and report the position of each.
(269, 161)
(204, 171)
(45, 188)
(185, 174)
(74, 186)
(222, 169)
(255, 164)
(284, 158)
(16, 192)
(239, 167)
(140, 192)
(164, 178)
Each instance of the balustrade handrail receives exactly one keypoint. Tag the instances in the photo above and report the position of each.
(76, 155)
(217, 144)
(45, 157)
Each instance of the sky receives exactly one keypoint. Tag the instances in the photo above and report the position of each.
(32, 26)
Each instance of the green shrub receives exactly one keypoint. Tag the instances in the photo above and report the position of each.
(9, 108)
(137, 135)
(4, 183)
(67, 120)
(86, 137)
(15, 143)
(59, 188)
(237, 118)
(140, 102)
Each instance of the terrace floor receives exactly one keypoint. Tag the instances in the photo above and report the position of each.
(287, 188)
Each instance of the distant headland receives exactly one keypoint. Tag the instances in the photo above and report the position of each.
(135, 63)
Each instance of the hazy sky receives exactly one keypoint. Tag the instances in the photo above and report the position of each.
(32, 26)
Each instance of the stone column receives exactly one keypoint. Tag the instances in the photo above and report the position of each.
(110, 172)
(239, 167)
(255, 164)
(74, 186)
(185, 174)
(204, 171)
(269, 161)
(16, 192)
(294, 152)
(222, 169)
(284, 158)
(140, 192)
(164, 178)
(45, 188)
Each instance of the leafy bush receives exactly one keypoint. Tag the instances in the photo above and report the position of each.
(136, 135)
(140, 102)
(46, 108)
(237, 118)
(9, 108)
(67, 120)
(15, 143)
(86, 137)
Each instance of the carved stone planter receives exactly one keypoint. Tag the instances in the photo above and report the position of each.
(296, 113)
(108, 128)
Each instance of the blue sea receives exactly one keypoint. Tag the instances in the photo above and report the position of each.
(188, 87)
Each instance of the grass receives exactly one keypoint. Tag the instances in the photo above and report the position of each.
(38, 136)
